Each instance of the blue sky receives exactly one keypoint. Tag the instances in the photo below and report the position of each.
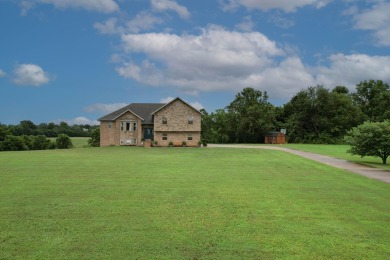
(77, 60)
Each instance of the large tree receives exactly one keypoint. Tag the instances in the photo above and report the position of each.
(317, 115)
(373, 97)
(370, 139)
(251, 115)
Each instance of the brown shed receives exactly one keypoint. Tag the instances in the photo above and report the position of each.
(275, 138)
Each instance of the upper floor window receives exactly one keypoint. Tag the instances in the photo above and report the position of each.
(190, 119)
(164, 120)
(109, 125)
(128, 126)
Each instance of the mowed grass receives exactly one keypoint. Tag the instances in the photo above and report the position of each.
(187, 203)
(340, 151)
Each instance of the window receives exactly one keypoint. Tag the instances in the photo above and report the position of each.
(190, 120)
(189, 138)
(165, 137)
(127, 126)
(122, 127)
(164, 120)
(134, 126)
(109, 125)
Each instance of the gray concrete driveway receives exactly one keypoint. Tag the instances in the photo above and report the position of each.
(370, 172)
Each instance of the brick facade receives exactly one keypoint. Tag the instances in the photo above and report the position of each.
(181, 123)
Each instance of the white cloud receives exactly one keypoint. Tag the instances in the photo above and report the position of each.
(108, 27)
(377, 20)
(30, 74)
(104, 108)
(102, 6)
(166, 5)
(279, 20)
(141, 22)
(77, 121)
(166, 100)
(2, 73)
(214, 60)
(349, 70)
(218, 59)
(246, 25)
(265, 5)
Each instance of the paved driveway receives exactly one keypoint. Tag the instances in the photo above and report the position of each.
(370, 172)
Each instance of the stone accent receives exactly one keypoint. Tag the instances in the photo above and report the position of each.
(177, 114)
(177, 138)
(115, 136)
(183, 122)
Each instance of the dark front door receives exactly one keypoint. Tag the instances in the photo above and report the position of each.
(148, 133)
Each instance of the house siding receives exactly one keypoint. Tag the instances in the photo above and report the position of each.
(114, 135)
(177, 127)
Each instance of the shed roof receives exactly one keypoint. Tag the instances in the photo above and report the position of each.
(142, 110)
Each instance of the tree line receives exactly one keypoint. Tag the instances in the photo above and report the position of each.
(26, 127)
(313, 115)
(28, 136)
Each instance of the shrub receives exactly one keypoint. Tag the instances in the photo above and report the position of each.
(184, 143)
(170, 143)
(204, 142)
(14, 143)
(95, 138)
(63, 141)
(40, 142)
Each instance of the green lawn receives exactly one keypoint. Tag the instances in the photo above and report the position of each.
(339, 151)
(187, 203)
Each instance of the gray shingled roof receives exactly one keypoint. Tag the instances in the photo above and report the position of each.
(143, 110)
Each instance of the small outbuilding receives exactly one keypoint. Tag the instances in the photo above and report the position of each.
(275, 138)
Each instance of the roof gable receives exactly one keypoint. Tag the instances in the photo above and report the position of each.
(173, 100)
(141, 110)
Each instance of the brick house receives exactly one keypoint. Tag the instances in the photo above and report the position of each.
(138, 123)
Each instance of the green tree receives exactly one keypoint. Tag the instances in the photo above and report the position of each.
(63, 141)
(95, 138)
(4, 131)
(40, 142)
(370, 139)
(252, 115)
(14, 143)
(373, 98)
(316, 115)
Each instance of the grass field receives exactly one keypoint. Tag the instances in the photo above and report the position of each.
(339, 151)
(187, 203)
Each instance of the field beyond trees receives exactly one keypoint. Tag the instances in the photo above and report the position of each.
(187, 203)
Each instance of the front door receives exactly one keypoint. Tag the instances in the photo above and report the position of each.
(148, 133)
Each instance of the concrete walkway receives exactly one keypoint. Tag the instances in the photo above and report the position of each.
(370, 172)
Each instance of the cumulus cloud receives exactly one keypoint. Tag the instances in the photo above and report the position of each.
(102, 6)
(217, 59)
(377, 20)
(104, 108)
(349, 70)
(30, 75)
(212, 60)
(265, 5)
(2, 73)
(170, 5)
